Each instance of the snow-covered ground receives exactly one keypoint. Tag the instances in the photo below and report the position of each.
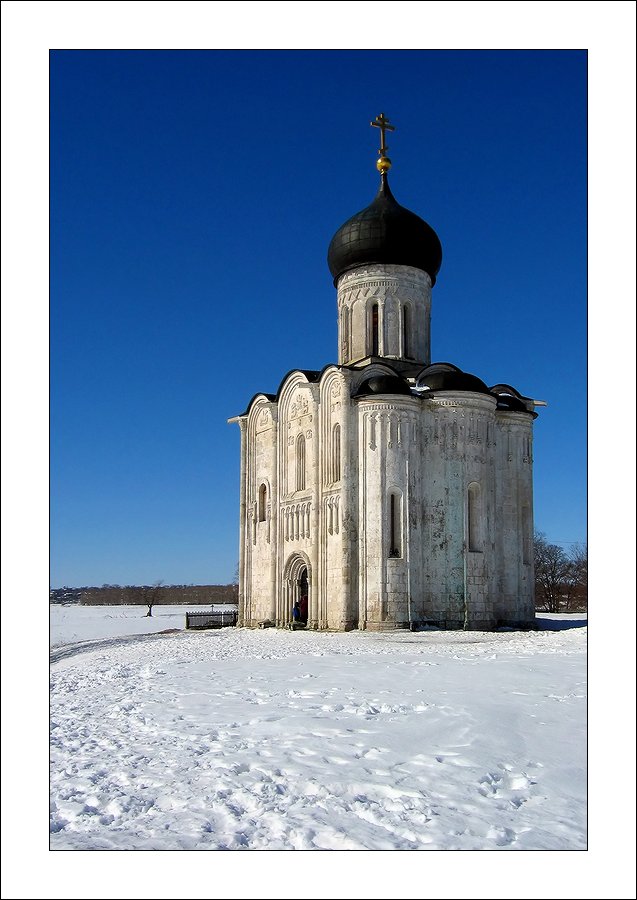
(236, 739)
(73, 623)
(181, 751)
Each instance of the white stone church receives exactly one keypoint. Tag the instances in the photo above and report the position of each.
(385, 491)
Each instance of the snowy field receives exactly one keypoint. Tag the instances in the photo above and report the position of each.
(276, 740)
(236, 739)
(73, 623)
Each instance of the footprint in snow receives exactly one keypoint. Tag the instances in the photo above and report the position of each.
(502, 836)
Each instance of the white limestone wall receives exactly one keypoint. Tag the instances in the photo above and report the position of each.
(387, 447)
(514, 594)
(308, 525)
(257, 575)
(457, 576)
(337, 528)
(477, 437)
(392, 288)
(428, 452)
(299, 503)
(342, 592)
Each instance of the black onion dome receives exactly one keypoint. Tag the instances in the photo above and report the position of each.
(385, 232)
(383, 384)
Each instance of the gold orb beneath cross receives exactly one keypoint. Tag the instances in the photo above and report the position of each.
(383, 164)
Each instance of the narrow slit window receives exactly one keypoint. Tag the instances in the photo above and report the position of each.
(474, 512)
(345, 335)
(336, 453)
(375, 329)
(395, 526)
(263, 494)
(406, 347)
(300, 463)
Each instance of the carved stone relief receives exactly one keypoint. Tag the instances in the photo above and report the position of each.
(300, 407)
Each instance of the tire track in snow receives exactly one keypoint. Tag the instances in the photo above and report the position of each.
(66, 651)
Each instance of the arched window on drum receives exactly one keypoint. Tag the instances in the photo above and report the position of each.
(374, 330)
(406, 334)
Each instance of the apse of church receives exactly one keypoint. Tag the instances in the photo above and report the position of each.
(385, 491)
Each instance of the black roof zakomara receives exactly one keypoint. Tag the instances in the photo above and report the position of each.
(387, 233)
(383, 384)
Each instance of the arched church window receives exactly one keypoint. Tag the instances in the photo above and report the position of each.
(300, 463)
(474, 515)
(406, 327)
(395, 525)
(336, 453)
(345, 333)
(374, 329)
(263, 496)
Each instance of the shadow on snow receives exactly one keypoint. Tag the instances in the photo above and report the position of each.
(546, 624)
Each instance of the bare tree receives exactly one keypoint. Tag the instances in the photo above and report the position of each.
(235, 584)
(150, 595)
(578, 578)
(561, 579)
(551, 572)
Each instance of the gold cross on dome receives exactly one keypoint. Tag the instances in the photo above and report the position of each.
(382, 123)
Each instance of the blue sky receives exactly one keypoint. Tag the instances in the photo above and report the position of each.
(193, 198)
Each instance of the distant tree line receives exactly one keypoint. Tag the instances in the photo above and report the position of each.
(147, 595)
(561, 576)
(65, 595)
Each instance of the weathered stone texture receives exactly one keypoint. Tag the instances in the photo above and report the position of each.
(398, 509)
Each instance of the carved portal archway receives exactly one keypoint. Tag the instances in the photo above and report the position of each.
(297, 585)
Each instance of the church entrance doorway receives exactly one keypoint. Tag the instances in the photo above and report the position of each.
(303, 594)
(295, 599)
